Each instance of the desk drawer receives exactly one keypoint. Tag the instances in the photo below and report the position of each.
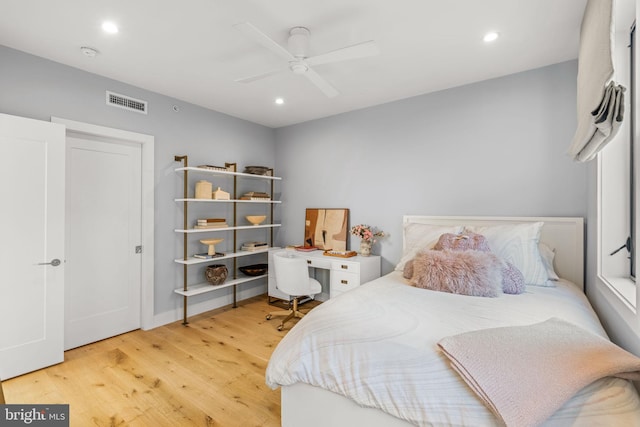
(351, 267)
(319, 263)
(343, 282)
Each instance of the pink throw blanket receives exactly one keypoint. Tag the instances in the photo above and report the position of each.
(523, 374)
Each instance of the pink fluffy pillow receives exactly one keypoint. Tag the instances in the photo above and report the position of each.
(472, 273)
(512, 278)
(462, 242)
(407, 272)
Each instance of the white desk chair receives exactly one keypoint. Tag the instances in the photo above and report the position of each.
(292, 277)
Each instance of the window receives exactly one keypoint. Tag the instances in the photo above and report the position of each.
(632, 148)
(616, 184)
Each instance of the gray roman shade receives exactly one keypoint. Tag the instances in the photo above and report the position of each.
(600, 100)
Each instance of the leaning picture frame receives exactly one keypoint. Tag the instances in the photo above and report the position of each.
(326, 228)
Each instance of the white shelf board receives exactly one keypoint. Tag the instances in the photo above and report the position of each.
(226, 201)
(203, 288)
(218, 172)
(191, 260)
(258, 201)
(239, 227)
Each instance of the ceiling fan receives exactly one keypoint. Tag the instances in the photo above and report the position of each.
(297, 55)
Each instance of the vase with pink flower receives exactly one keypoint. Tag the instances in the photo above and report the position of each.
(367, 235)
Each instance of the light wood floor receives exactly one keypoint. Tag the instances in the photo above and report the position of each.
(210, 373)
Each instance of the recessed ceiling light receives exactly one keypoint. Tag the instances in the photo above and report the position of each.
(492, 36)
(109, 27)
(279, 101)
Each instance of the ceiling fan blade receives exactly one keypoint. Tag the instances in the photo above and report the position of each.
(359, 50)
(252, 32)
(259, 76)
(321, 83)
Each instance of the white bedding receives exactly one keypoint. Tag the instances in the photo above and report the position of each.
(377, 346)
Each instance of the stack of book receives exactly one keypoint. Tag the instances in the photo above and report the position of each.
(215, 168)
(254, 246)
(205, 255)
(211, 223)
(255, 195)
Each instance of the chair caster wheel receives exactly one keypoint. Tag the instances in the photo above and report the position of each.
(268, 317)
(280, 327)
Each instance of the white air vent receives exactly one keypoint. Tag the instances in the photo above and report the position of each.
(126, 102)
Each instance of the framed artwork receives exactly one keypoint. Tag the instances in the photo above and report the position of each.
(326, 228)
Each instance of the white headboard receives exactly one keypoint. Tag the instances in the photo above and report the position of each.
(564, 235)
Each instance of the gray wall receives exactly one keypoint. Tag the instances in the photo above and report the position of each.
(492, 148)
(37, 88)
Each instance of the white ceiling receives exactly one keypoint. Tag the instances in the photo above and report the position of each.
(189, 50)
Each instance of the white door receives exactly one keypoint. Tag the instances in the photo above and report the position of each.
(32, 230)
(103, 286)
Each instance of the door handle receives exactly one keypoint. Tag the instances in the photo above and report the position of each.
(54, 262)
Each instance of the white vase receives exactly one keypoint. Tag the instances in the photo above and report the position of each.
(365, 247)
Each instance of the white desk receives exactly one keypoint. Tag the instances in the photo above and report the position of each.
(344, 273)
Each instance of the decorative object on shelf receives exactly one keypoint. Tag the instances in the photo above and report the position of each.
(216, 274)
(258, 170)
(255, 269)
(254, 246)
(368, 235)
(219, 194)
(212, 245)
(326, 228)
(256, 219)
(203, 189)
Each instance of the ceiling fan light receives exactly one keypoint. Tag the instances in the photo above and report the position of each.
(299, 67)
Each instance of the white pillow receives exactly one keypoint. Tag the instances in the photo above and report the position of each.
(518, 244)
(418, 237)
(548, 255)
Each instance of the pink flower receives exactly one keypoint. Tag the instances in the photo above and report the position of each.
(366, 232)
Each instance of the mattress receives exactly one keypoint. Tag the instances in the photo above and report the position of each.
(377, 345)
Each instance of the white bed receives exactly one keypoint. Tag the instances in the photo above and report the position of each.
(396, 327)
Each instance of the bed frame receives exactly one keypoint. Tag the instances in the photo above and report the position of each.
(303, 404)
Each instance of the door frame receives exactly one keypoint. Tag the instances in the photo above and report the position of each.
(107, 134)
